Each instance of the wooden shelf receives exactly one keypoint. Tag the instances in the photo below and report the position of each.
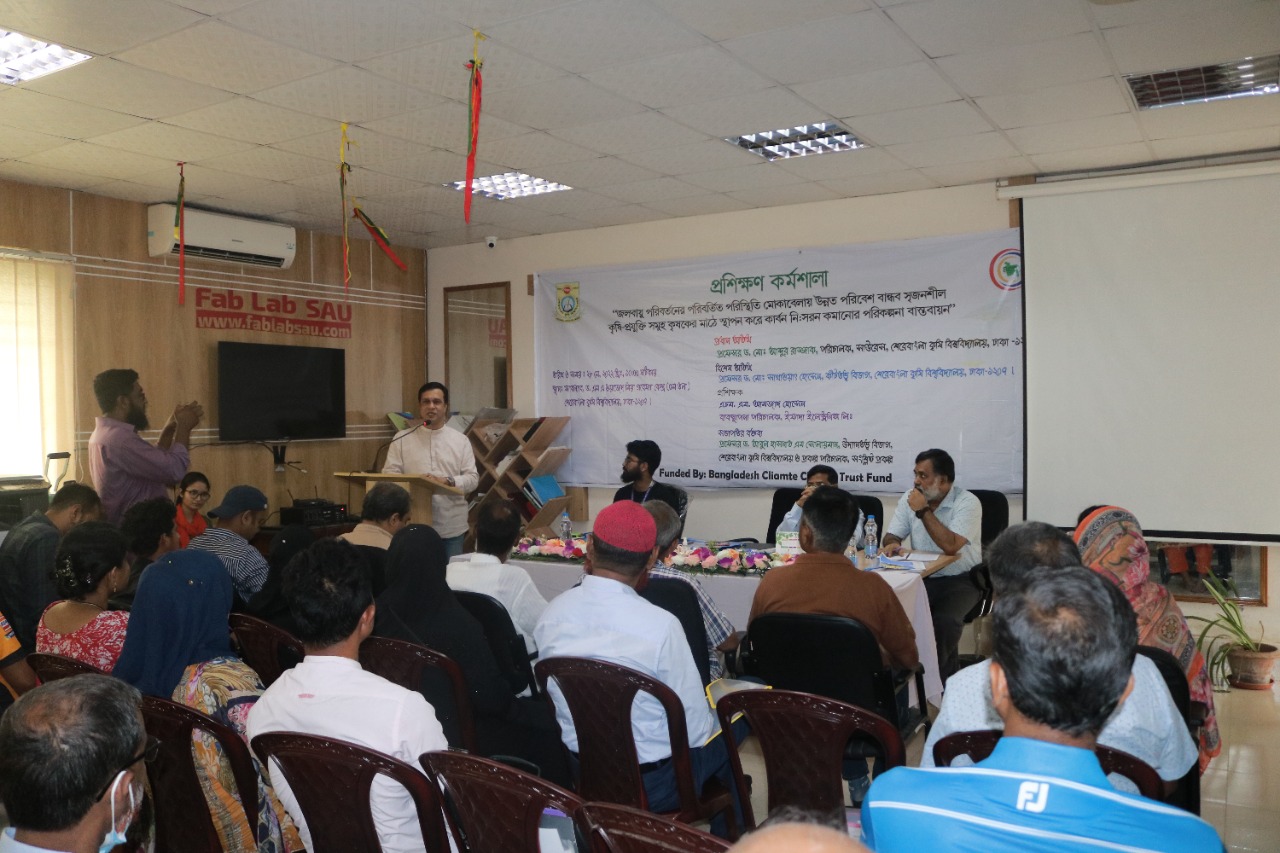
(530, 442)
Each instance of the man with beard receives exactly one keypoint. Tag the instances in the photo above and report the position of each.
(125, 468)
(938, 516)
(642, 462)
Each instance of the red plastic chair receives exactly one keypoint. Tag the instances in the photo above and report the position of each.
(437, 676)
(496, 808)
(268, 649)
(51, 667)
(803, 739)
(331, 781)
(620, 829)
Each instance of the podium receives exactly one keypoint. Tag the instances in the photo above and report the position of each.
(420, 489)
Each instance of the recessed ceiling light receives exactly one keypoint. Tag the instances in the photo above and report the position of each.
(510, 185)
(823, 137)
(24, 58)
(1240, 78)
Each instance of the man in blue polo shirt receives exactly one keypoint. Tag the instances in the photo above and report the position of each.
(1061, 664)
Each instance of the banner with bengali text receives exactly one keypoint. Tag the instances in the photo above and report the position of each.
(749, 369)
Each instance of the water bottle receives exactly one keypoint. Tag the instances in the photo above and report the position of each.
(787, 536)
(566, 527)
(872, 534)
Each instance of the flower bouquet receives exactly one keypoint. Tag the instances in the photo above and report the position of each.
(574, 550)
(710, 559)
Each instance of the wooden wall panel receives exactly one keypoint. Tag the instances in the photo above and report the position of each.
(327, 258)
(35, 219)
(109, 228)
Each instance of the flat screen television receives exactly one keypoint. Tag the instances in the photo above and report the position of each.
(270, 392)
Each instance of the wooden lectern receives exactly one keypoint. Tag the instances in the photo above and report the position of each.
(420, 489)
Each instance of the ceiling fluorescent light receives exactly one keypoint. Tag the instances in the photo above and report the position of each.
(1240, 78)
(823, 137)
(510, 185)
(23, 58)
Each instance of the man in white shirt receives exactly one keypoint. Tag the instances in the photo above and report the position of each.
(822, 475)
(441, 454)
(329, 694)
(498, 528)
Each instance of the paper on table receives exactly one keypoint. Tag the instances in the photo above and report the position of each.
(920, 556)
(902, 565)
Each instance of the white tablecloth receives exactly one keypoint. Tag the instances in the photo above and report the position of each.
(733, 595)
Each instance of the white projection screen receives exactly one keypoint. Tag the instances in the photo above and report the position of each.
(1153, 354)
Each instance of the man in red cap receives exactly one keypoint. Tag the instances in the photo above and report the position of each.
(605, 619)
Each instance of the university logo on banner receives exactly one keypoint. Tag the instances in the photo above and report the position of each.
(568, 305)
(1006, 269)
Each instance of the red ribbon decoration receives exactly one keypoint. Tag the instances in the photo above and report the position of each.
(379, 236)
(473, 124)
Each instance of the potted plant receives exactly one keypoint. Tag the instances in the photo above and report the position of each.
(1232, 655)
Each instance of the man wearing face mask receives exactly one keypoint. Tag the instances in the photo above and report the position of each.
(942, 518)
(126, 469)
(72, 769)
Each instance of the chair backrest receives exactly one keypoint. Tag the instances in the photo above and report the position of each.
(51, 667)
(872, 505)
(783, 500)
(1186, 794)
(979, 744)
(331, 780)
(495, 807)
(182, 814)
(1175, 678)
(506, 643)
(682, 502)
(679, 599)
(269, 649)
(833, 656)
(612, 828)
(433, 674)
(803, 739)
(995, 513)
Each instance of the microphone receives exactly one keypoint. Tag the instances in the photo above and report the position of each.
(373, 467)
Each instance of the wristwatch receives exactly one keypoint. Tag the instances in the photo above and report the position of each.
(450, 481)
(920, 513)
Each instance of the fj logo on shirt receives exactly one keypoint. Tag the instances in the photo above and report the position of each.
(1033, 796)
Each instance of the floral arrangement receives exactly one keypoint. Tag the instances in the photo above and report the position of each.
(707, 558)
(555, 549)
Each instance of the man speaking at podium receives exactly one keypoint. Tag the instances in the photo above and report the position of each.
(441, 454)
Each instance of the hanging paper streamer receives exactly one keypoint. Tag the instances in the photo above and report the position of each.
(473, 122)
(180, 233)
(379, 236)
(343, 169)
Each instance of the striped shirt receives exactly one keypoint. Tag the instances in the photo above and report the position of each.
(245, 563)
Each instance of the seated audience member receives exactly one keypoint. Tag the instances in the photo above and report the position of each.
(939, 516)
(1147, 726)
(418, 606)
(823, 475)
(796, 837)
(72, 775)
(1063, 652)
(269, 602)
(238, 518)
(26, 557)
(720, 633)
(644, 457)
(330, 695)
(193, 494)
(149, 529)
(498, 528)
(1111, 543)
(89, 569)
(603, 618)
(179, 648)
(16, 675)
(384, 512)
(823, 581)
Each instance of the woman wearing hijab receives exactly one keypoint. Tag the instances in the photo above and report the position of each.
(178, 647)
(269, 603)
(419, 607)
(1111, 543)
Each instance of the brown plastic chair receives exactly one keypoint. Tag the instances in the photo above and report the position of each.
(978, 745)
(803, 738)
(599, 696)
(496, 808)
(433, 674)
(611, 828)
(330, 779)
(51, 667)
(182, 814)
(269, 649)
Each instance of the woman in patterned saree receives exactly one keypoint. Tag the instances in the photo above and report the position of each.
(89, 568)
(179, 647)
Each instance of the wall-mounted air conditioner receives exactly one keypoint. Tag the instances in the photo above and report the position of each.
(219, 237)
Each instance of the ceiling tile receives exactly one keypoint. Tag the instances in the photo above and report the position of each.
(1214, 35)
(882, 90)
(436, 167)
(698, 205)
(959, 174)
(217, 182)
(1219, 116)
(770, 109)
(433, 198)
(97, 160)
(563, 102)
(749, 177)
(445, 126)
(371, 28)
(348, 94)
(126, 88)
(363, 184)
(366, 147)
(1027, 67)
(217, 55)
(95, 27)
(725, 19)
(1217, 143)
(636, 132)
(16, 143)
(1085, 133)
(863, 41)
(960, 149)
(689, 77)
(1142, 11)
(271, 164)
(482, 14)
(594, 34)
(843, 164)
(626, 215)
(954, 119)
(698, 157)
(166, 140)
(566, 202)
(891, 182)
(947, 27)
(1092, 158)
(602, 172)
(253, 121)
(210, 7)
(148, 194)
(440, 67)
(530, 151)
(650, 190)
(793, 194)
(46, 176)
(1091, 98)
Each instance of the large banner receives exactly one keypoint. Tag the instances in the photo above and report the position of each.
(749, 369)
